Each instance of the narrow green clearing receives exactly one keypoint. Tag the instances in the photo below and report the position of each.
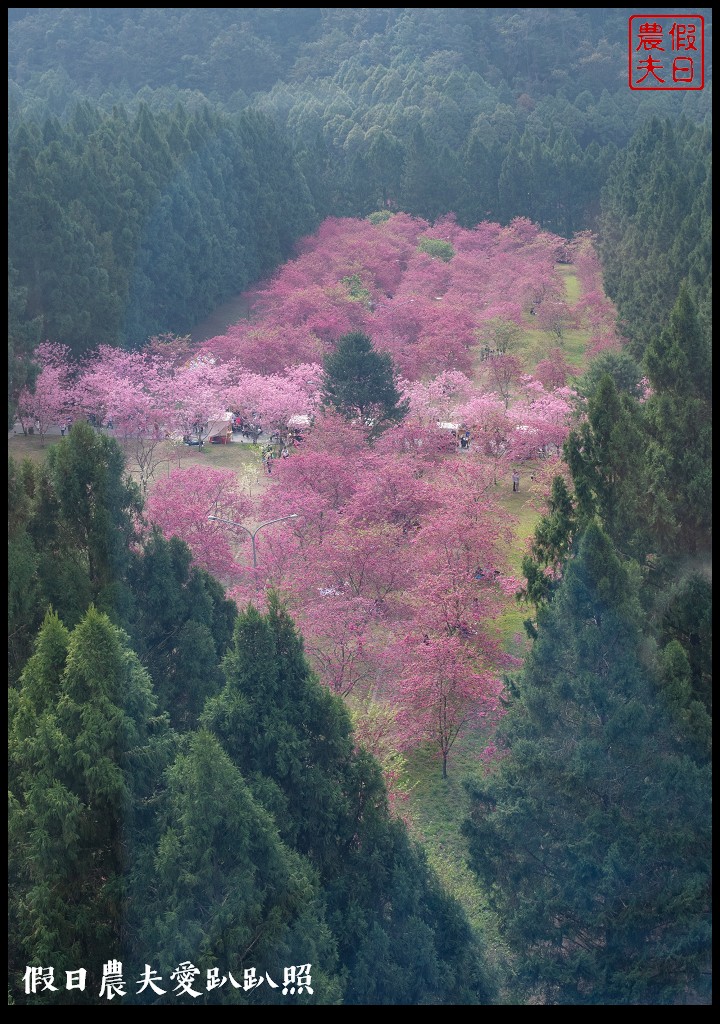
(572, 284)
(436, 807)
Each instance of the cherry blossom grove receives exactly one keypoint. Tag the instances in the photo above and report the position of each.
(395, 565)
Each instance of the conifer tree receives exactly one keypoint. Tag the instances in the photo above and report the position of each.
(424, 179)
(606, 460)
(655, 225)
(400, 939)
(224, 892)
(683, 614)
(679, 414)
(96, 505)
(82, 766)
(23, 588)
(286, 733)
(360, 383)
(182, 627)
(551, 545)
(592, 835)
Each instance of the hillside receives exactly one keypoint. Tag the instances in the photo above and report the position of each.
(359, 518)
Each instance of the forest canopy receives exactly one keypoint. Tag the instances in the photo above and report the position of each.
(435, 739)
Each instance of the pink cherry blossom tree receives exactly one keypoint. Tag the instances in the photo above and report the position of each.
(423, 445)
(457, 560)
(437, 399)
(441, 693)
(131, 393)
(50, 400)
(503, 374)
(180, 504)
(555, 316)
(272, 399)
(540, 421)
(199, 397)
(338, 631)
(554, 370)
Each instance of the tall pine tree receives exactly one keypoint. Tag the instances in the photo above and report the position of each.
(400, 938)
(360, 383)
(679, 414)
(83, 763)
(592, 834)
(223, 891)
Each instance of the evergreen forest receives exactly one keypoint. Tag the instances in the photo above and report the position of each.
(432, 740)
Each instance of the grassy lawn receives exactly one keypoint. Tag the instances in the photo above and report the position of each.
(28, 446)
(244, 459)
(519, 505)
(225, 456)
(573, 345)
(435, 810)
(536, 345)
(573, 290)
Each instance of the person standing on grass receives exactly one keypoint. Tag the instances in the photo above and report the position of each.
(516, 481)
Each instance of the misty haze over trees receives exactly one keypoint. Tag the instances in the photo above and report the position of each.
(467, 248)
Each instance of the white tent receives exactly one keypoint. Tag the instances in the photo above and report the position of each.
(221, 424)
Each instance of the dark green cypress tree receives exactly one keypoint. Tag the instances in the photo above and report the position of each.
(655, 225)
(479, 195)
(385, 159)
(285, 733)
(46, 568)
(359, 383)
(679, 414)
(424, 184)
(682, 612)
(182, 627)
(514, 180)
(606, 457)
(315, 163)
(96, 504)
(551, 546)
(620, 366)
(82, 764)
(400, 939)
(224, 892)
(24, 335)
(592, 835)
(24, 594)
